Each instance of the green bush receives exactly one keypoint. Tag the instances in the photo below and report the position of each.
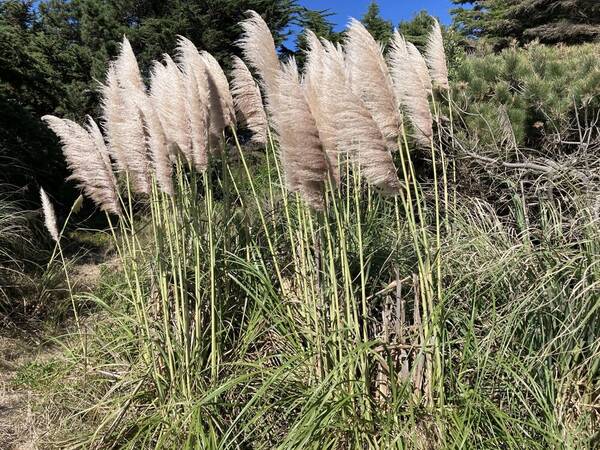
(543, 89)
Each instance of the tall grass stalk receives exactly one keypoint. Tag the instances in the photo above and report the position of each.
(248, 319)
(331, 374)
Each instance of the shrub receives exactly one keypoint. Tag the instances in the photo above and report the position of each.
(344, 300)
(547, 92)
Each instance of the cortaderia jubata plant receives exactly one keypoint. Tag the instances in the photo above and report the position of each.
(239, 281)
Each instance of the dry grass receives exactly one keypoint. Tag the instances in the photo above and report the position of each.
(24, 425)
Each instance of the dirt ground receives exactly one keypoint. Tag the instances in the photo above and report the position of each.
(20, 427)
(24, 423)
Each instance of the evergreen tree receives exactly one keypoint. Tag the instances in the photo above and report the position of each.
(380, 28)
(29, 87)
(417, 29)
(318, 23)
(550, 21)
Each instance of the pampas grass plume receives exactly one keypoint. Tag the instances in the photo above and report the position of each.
(259, 50)
(436, 57)
(156, 141)
(356, 130)
(248, 101)
(319, 98)
(197, 100)
(88, 159)
(49, 216)
(420, 66)
(410, 89)
(123, 125)
(126, 67)
(303, 160)
(167, 91)
(371, 81)
(221, 109)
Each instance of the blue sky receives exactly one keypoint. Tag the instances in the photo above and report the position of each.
(394, 10)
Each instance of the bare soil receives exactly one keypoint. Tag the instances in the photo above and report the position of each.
(22, 427)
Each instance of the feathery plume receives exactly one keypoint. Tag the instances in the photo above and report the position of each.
(195, 79)
(302, 157)
(49, 216)
(103, 190)
(221, 110)
(436, 58)
(356, 131)
(143, 119)
(168, 94)
(125, 131)
(190, 60)
(112, 108)
(127, 69)
(156, 142)
(77, 204)
(371, 81)
(420, 66)
(88, 159)
(259, 50)
(199, 119)
(100, 147)
(410, 90)
(317, 96)
(248, 101)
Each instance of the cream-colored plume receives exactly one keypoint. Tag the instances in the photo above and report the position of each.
(199, 118)
(410, 89)
(136, 113)
(318, 98)
(259, 50)
(248, 101)
(103, 186)
(127, 69)
(371, 81)
(100, 147)
(168, 94)
(49, 216)
(302, 157)
(125, 131)
(356, 131)
(156, 141)
(420, 66)
(112, 108)
(197, 98)
(221, 109)
(88, 159)
(436, 57)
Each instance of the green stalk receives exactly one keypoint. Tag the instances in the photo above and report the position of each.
(259, 208)
(212, 275)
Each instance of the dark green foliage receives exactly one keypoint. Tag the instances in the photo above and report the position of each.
(550, 21)
(417, 29)
(29, 85)
(539, 87)
(380, 28)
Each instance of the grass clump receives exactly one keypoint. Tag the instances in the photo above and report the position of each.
(332, 298)
(38, 375)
